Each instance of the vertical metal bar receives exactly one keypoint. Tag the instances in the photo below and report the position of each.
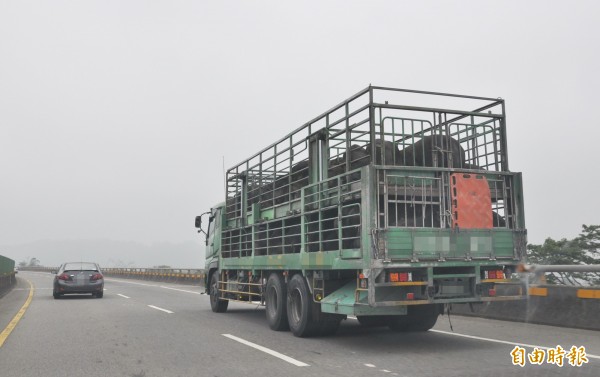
(503, 139)
(386, 221)
(372, 125)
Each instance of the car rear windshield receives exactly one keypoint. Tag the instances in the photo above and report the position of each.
(81, 267)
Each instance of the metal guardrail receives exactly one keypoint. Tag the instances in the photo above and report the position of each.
(168, 275)
(547, 304)
(173, 275)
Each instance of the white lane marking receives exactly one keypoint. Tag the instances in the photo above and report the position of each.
(118, 294)
(503, 341)
(180, 290)
(370, 365)
(385, 371)
(161, 309)
(267, 350)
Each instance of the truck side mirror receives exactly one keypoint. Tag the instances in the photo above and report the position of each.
(198, 222)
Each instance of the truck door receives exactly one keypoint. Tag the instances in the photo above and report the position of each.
(213, 241)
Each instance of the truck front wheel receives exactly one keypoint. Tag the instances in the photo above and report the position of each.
(216, 304)
(276, 306)
(299, 308)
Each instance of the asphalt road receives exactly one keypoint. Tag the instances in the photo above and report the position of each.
(143, 329)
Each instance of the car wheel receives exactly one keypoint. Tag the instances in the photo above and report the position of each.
(56, 295)
(276, 306)
(99, 294)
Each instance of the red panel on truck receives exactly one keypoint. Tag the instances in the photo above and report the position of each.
(471, 201)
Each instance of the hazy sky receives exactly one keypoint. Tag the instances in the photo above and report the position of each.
(115, 116)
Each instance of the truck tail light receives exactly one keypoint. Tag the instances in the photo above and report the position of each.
(400, 277)
(410, 296)
(492, 293)
(494, 274)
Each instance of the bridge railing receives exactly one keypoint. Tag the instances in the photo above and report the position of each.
(194, 276)
(547, 304)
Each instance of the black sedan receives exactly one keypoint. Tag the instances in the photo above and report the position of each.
(79, 277)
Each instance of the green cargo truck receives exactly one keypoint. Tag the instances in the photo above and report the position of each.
(388, 207)
(7, 273)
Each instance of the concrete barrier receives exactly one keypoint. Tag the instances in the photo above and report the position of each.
(546, 304)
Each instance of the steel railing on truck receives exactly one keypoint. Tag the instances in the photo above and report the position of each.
(378, 126)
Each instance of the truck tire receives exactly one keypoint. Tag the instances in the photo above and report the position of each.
(373, 320)
(329, 326)
(216, 304)
(419, 318)
(276, 305)
(299, 308)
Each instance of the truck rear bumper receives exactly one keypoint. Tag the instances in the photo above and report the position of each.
(376, 295)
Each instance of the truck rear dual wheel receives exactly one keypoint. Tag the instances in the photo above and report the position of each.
(373, 320)
(304, 315)
(418, 318)
(299, 308)
(216, 304)
(329, 326)
(276, 306)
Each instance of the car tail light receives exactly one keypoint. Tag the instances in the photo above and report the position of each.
(63, 277)
(95, 277)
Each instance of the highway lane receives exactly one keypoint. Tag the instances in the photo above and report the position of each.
(127, 334)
